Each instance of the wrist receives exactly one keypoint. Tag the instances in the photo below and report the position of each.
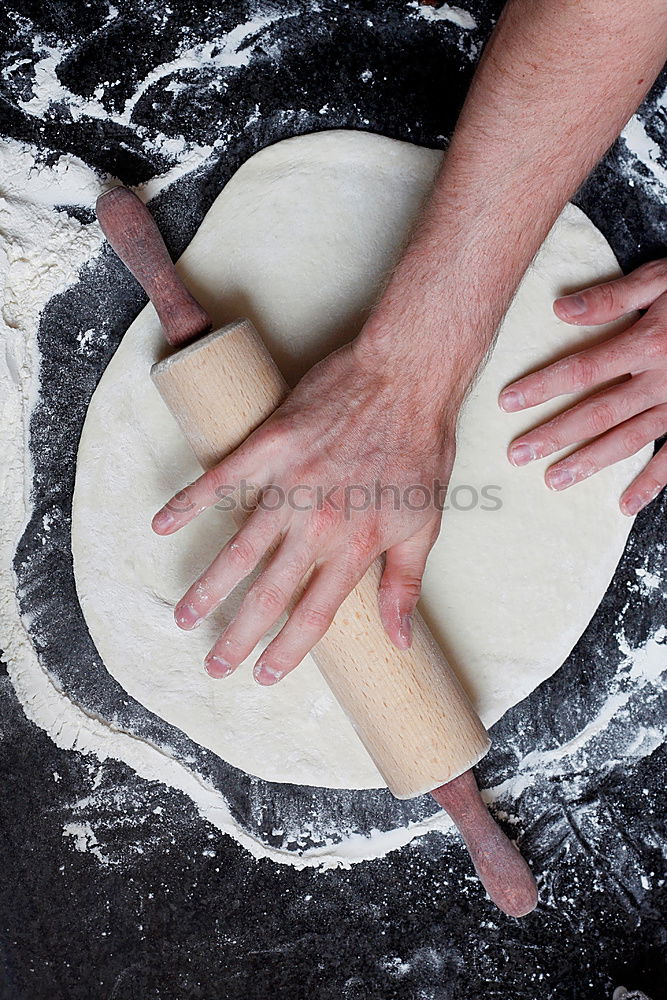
(426, 345)
(428, 380)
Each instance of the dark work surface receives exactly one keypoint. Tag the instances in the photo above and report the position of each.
(156, 904)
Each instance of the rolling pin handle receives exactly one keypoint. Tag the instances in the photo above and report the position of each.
(502, 871)
(133, 234)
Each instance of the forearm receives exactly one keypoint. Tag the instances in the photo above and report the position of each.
(557, 82)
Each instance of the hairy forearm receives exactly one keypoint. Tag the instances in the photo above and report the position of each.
(557, 82)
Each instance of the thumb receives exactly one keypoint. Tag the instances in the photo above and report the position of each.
(611, 299)
(401, 584)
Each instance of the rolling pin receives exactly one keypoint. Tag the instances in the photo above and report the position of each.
(407, 706)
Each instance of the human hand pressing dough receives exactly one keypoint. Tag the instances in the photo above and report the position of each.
(353, 423)
(617, 421)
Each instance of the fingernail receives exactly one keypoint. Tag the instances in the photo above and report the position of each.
(187, 617)
(266, 675)
(163, 521)
(632, 506)
(405, 631)
(573, 305)
(512, 400)
(522, 454)
(560, 478)
(217, 667)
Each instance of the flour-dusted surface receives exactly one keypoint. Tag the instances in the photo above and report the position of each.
(299, 241)
(162, 904)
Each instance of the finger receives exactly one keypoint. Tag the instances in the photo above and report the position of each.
(621, 442)
(309, 621)
(647, 485)
(214, 486)
(612, 299)
(588, 419)
(401, 584)
(265, 602)
(249, 465)
(236, 560)
(642, 345)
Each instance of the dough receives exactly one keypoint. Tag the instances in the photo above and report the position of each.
(299, 242)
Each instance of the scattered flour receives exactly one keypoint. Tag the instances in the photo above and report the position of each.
(648, 581)
(233, 50)
(85, 840)
(643, 667)
(455, 15)
(646, 164)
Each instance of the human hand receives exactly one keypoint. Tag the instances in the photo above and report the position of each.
(356, 424)
(616, 421)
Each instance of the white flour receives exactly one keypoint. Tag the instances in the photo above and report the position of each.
(232, 50)
(455, 15)
(645, 152)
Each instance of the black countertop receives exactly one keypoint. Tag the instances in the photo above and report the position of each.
(113, 886)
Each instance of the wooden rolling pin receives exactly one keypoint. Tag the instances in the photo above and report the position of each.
(407, 706)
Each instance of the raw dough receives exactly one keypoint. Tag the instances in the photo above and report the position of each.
(299, 241)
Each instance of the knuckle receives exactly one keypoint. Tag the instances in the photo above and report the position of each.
(652, 486)
(180, 504)
(534, 386)
(268, 597)
(361, 546)
(357, 551)
(325, 518)
(601, 416)
(218, 480)
(633, 440)
(652, 269)
(412, 586)
(604, 296)
(654, 347)
(586, 467)
(316, 618)
(295, 566)
(346, 572)
(550, 440)
(241, 553)
(583, 371)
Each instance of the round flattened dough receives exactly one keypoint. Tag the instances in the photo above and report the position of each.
(299, 241)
